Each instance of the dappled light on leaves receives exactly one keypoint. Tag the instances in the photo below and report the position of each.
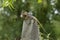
(39, 1)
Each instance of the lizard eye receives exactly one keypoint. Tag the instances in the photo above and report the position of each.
(24, 15)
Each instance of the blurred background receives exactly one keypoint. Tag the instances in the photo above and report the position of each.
(46, 11)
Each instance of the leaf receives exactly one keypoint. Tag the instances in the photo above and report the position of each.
(5, 3)
(11, 5)
(8, 3)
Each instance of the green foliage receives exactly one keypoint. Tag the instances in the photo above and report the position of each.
(8, 3)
